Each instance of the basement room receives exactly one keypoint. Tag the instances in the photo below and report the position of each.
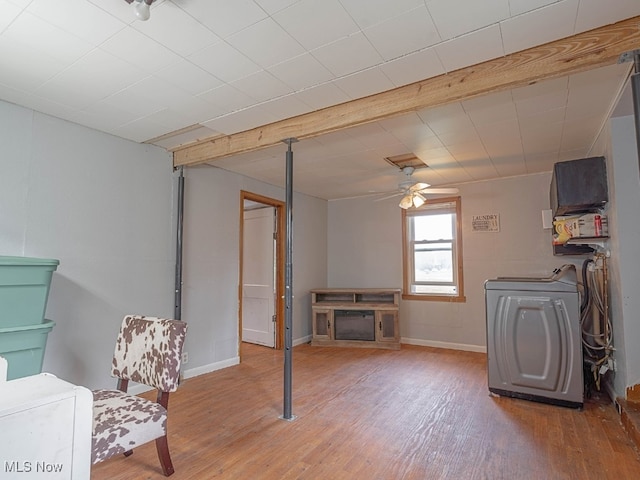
(319, 239)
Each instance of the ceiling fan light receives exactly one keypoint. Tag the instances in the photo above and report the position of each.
(406, 202)
(142, 10)
(418, 200)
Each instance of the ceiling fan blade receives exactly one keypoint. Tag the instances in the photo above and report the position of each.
(436, 191)
(416, 187)
(388, 196)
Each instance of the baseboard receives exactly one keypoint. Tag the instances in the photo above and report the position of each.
(300, 341)
(451, 346)
(137, 388)
(211, 367)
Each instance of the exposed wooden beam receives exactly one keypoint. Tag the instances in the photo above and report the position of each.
(592, 49)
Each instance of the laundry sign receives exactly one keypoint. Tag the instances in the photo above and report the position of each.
(486, 223)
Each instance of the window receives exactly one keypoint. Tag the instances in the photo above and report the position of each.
(432, 251)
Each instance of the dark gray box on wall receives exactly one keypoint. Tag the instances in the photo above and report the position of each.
(579, 186)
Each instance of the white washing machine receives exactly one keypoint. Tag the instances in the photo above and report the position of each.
(534, 346)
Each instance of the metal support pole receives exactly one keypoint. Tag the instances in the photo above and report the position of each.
(177, 308)
(288, 283)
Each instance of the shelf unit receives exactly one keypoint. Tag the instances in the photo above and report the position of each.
(363, 317)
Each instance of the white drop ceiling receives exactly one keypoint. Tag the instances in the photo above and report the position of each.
(201, 68)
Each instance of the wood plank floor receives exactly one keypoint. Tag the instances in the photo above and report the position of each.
(417, 413)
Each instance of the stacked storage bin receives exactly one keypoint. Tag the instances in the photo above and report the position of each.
(24, 289)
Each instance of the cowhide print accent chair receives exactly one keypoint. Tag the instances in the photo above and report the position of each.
(148, 351)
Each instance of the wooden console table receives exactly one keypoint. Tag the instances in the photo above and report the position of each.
(362, 317)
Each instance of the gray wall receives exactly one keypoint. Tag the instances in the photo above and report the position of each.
(211, 262)
(365, 250)
(105, 207)
(624, 264)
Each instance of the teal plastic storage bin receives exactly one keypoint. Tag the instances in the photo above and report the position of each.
(24, 289)
(23, 347)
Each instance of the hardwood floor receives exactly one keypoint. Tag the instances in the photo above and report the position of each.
(417, 413)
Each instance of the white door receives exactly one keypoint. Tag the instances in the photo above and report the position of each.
(258, 277)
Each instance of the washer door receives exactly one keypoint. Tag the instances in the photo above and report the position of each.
(531, 341)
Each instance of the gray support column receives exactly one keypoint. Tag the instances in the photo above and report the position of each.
(177, 306)
(288, 284)
(635, 89)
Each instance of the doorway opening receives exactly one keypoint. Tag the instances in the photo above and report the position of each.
(261, 289)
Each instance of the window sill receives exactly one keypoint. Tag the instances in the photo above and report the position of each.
(434, 298)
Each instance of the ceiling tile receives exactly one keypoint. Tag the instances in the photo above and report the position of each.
(446, 118)
(286, 107)
(509, 166)
(223, 17)
(301, 72)
(169, 19)
(224, 61)
(593, 13)
(315, 23)
(188, 77)
(362, 84)
(105, 74)
(148, 96)
(347, 55)
(32, 32)
(518, 7)
(457, 17)
(25, 68)
(8, 13)
(79, 18)
(273, 6)
(266, 43)
(367, 13)
(413, 67)
(411, 31)
(322, 96)
(262, 86)
(227, 98)
(491, 108)
(138, 49)
(476, 47)
(540, 26)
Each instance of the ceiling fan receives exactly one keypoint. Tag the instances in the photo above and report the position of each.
(414, 193)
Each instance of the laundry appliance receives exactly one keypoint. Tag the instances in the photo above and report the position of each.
(534, 344)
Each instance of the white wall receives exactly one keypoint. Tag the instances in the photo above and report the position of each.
(365, 250)
(211, 262)
(103, 207)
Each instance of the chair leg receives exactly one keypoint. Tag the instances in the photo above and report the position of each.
(163, 454)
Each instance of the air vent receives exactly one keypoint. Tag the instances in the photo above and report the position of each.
(406, 160)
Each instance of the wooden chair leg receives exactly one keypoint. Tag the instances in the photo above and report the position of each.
(163, 454)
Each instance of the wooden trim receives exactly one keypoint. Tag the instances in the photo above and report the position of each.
(459, 297)
(596, 48)
(280, 257)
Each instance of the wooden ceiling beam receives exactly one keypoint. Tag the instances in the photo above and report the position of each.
(585, 51)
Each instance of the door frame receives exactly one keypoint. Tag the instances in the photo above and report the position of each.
(279, 262)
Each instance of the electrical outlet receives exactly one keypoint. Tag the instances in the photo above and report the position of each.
(185, 358)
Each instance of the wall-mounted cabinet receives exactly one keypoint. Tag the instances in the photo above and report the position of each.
(578, 189)
(356, 317)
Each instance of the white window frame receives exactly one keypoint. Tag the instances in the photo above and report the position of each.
(410, 285)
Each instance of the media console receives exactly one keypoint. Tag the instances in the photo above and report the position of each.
(363, 317)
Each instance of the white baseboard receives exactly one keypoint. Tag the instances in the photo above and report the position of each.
(212, 367)
(137, 388)
(300, 341)
(452, 346)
